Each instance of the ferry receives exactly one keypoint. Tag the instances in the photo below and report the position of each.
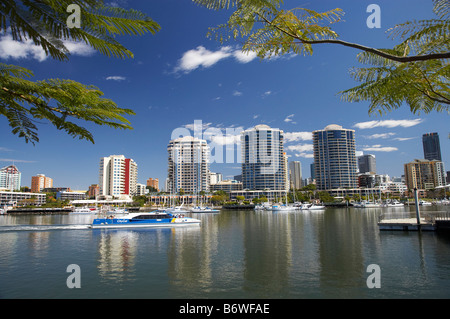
(153, 219)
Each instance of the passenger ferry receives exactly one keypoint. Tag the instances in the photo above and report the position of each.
(154, 219)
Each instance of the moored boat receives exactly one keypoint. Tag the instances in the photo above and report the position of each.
(85, 210)
(153, 219)
(201, 209)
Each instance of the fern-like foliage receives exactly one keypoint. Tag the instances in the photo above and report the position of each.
(64, 103)
(422, 85)
(414, 72)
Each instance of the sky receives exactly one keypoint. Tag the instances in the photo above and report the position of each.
(179, 77)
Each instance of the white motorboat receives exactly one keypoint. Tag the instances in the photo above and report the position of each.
(394, 203)
(201, 209)
(424, 203)
(85, 210)
(309, 206)
(366, 204)
(283, 208)
(177, 210)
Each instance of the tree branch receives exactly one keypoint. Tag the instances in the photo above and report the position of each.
(401, 59)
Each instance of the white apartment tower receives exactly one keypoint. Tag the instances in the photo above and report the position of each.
(117, 176)
(188, 165)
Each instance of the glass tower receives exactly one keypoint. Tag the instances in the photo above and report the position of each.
(334, 158)
(431, 146)
(264, 164)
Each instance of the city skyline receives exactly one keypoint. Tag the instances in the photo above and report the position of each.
(179, 76)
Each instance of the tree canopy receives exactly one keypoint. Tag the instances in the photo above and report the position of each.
(415, 71)
(62, 101)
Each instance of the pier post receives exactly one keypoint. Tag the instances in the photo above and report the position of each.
(416, 200)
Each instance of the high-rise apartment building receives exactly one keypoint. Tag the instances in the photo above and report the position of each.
(334, 158)
(10, 178)
(431, 146)
(295, 175)
(264, 163)
(39, 182)
(367, 164)
(424, 174)
(153, 182)
(117, 176)
(188, 168)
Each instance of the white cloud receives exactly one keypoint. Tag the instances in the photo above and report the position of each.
(297, 136)
(388, 123)
(11, 49)
(201, 57)
(244, 57)
(401, 139)
(300, 148)
(15, 160)
(305, 155)
(289, 118)
(116, 78)
(382, 135)
(255, 116)
(237, 93)
(226, 139)
(379, 148)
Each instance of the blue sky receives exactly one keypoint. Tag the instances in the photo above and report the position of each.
(179, 75)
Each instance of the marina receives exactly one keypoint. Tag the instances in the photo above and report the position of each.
(233, 254)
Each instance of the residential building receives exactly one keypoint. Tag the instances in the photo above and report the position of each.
(94, 191)
(431, 146)
(424, 174)
(39, 182)
(226, 185)
(117, 176)
(10, 178)
(19, 198)
(215, 178)
(188, 169)
(141, 189)
(334, 158)
(153, 182)
(367, 163)
(295, 175)
(70, 196)
(264, 163)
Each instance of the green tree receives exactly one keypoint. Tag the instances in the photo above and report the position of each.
(415, 71)
(64, 102)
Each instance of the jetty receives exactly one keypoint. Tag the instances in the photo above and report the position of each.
(428, 221)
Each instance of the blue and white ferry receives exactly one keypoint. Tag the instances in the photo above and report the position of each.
(153, 219)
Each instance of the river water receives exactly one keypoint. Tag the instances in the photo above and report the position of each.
(233, 254)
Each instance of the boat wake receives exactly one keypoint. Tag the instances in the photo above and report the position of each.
(41, 227)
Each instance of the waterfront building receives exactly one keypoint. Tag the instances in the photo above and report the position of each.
(94, 191)
(264, 163)
(19, 198)
(117, 176)
(431, 146)
(424, 174)
(10, 178)
(334, 158)
(226, 185)
(215, 178)
(188, 169)
(367, 163)
(70, 196)
(366, 180)
(141, 189)
(295, 175)
(39, 182)
(153, 182)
